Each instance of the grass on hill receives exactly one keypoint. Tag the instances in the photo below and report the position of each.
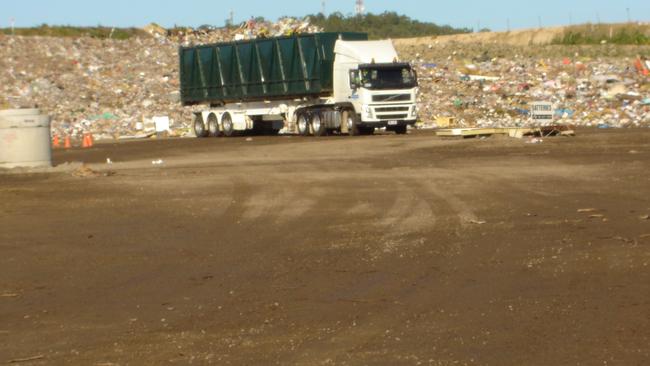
(380, 26)
(619, 34)
(70, 31)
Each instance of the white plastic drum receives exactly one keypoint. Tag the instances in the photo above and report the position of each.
(25, 139)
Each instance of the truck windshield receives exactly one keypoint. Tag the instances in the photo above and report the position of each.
(388, 78)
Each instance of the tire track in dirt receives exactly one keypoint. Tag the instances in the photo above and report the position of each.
(415, 209)
(277, 201)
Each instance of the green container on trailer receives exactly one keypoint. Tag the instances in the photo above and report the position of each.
(260, 69)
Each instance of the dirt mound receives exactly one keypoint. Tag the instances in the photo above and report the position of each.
(582, 34)
(523, 37)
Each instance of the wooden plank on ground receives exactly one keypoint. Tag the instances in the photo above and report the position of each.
(467, 132)
(517, 132)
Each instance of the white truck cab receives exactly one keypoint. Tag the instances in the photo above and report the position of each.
(382, 90)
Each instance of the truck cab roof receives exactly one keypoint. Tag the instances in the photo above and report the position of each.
(389, 65)
(366, 52)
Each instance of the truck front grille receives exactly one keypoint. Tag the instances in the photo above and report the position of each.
(391, 116)
(391, 98)
(392, 109)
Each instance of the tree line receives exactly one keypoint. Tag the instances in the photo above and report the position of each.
(384, 25)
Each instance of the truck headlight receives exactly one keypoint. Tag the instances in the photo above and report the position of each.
(414, 111)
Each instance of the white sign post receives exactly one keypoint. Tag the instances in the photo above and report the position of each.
(542, 112)
(161, 123)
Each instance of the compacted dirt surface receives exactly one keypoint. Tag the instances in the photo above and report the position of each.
(375, 250)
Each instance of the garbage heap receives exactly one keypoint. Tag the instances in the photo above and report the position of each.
(106, 87)
(251, 29)
(112, 88)
(466, 84)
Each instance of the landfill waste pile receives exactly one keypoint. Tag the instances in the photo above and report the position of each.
(117, 89)
(250, 29)
(486, 85)
(113, 89)
(107, 87)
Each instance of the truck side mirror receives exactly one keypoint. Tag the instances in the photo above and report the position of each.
(353, 79)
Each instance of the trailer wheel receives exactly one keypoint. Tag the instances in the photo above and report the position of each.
(213, 125)
(303, 125)
(400, 130)
(199, 126)
(317, 125)
(351, 120)
(227, 125)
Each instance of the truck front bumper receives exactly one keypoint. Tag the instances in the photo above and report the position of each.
(388, 115)
(388, 123)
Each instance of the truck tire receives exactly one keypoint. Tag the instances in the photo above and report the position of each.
(227, 125)
(199, 127)
(317, 125)
(352, 121)
(400, 130)
(303, 124)
(213, 125)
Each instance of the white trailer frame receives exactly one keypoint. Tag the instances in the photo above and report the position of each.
(282, 114)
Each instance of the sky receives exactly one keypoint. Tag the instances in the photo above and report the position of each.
(497, 15)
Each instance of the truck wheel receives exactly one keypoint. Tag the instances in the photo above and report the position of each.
(317, 125)
(353, 126)
(400, 130)
(303, 125)
(213, 126)
(199, 126)
(227, 126)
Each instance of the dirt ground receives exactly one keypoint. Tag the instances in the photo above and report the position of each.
(376, 250)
